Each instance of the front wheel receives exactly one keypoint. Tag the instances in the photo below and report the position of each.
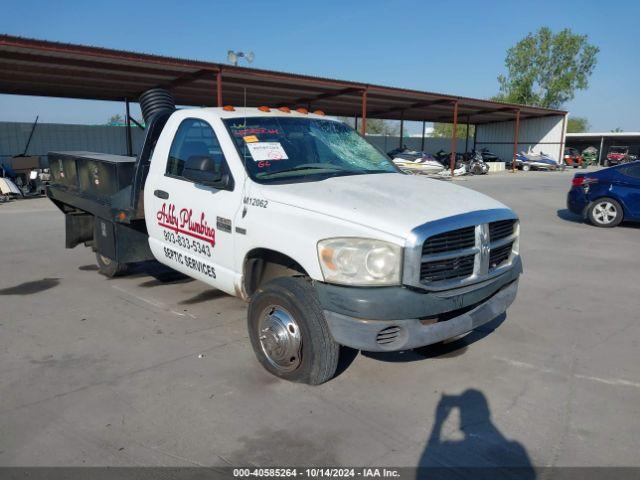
(110, 268)
(526, 168)
(289, 333)
(605, 212)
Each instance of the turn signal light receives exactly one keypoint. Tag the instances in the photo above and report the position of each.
(318, 112)
(228, 108)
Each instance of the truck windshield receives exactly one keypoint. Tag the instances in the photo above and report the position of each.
(278, 149)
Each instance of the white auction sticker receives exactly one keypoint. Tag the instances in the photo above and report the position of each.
(261, 151)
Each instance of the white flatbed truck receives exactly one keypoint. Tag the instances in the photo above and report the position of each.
(299, 215)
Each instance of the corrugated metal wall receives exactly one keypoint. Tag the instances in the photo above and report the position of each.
(52, 136)
(540, 134)
(431, 144)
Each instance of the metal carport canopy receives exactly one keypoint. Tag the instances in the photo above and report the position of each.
(44, 68)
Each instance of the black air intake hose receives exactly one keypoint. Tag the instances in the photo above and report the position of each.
(155, 101)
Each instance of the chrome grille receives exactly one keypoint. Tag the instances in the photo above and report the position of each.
(457, 267)
(499, 255)
(500, 229)
(453, 240)
(461, 250)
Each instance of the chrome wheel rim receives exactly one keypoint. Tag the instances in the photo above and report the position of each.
(605, 212)
(280, 338)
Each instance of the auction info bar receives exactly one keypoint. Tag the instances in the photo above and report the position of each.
(418, 473)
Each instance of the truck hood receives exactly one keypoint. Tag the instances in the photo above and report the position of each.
(393, 203)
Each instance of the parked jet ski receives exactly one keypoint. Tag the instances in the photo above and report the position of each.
(489, 156)
(461, 170)
(416, 162)
(475, 163)
(445, 159)
(7, 186)
(535, 161)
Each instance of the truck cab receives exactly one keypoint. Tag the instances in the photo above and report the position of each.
(326, 239)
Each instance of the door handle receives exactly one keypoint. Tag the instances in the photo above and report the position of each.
(161, 194)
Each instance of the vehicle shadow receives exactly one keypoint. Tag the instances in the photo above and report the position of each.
(569, 216)
(162, 275)
(440, 350)
(477, 449)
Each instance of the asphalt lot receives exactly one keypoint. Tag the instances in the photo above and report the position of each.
(155, 369)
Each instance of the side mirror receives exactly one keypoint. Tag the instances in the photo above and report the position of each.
(202, 169)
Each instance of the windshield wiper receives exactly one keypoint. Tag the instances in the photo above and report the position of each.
(304, 167)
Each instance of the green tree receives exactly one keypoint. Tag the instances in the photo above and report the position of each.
(546, 69)
(375, 126)
(577, 125)
(116, 119)
(617, 130)
(445, 130)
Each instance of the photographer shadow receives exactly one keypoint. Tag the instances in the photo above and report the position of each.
(478, 450)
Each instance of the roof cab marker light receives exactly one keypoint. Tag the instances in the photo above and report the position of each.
(264, 108)
(304, 111)
(228, 108)
(284, 109)
(318, 112)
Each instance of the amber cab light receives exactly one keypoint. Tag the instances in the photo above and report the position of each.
(264, 108)
(284, 109)
(304, 111)
(228, 108)
(318, 112)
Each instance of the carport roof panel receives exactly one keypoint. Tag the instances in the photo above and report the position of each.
(38, 67)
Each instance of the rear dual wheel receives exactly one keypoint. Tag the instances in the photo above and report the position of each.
(110, 268)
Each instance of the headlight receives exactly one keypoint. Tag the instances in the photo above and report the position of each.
(360, 261)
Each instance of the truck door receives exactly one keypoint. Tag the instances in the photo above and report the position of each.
(190, 224)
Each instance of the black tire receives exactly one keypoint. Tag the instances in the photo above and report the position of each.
(594, 213)
(110, 268)
(318, 355)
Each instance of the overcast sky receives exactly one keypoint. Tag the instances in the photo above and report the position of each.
(447, 47)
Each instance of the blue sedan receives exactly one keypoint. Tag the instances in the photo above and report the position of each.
(608, 196)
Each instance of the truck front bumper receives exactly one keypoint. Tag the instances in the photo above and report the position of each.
(403, 334)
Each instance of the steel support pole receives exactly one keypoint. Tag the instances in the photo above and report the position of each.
(454, 135)
(600, 151)
(562, 140)
(364, 113)
(516, 131)
(128, 128)
(424, 123)
(219, 87)
(466, 141)
(401, 128)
